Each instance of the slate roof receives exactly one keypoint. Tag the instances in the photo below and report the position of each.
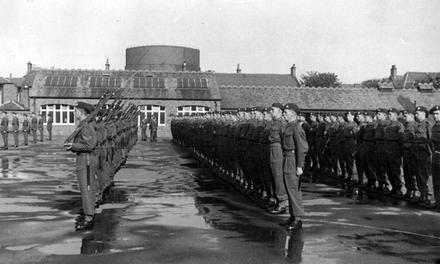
(411, 78)
(13, 106)
(252, 80)
(139, 84)
(319, 98)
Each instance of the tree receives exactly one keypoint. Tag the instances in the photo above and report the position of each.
(373, 83)
(320, 79)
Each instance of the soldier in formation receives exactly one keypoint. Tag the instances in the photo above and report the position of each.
(261, 151)
(101, 142)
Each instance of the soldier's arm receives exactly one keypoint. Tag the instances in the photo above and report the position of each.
(299, 136)
(87, 140)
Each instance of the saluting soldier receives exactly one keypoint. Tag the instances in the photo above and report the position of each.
(25, 129)
(4, 129)
(295, 149)
(49, 125)
(15, 128)
(435, 142)
(41, 126)
(83, 145)
(34, 124)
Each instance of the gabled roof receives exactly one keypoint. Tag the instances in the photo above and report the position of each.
(13, 106)
(321, 98)
(254, 80)
(412, 78)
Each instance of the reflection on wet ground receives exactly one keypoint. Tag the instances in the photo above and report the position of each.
(164, 208)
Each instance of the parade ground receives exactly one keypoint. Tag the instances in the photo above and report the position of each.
(166, 208)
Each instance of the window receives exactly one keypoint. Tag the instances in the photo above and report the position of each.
(97, 81)
(19, 92)
(60, 81)
(61, 114)
(148, 82)
(191, 109)
(192, 83)
(157, 110)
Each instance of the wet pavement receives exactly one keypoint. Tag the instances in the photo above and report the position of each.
(164, 208)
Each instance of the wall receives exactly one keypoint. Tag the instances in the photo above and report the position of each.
(163, 131)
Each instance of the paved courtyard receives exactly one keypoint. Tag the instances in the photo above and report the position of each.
(164, 208)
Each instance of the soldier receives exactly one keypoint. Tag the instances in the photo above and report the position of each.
(41, 126)
(276, 158)
(34, 123)
(381, 150)
(4, 129)
(409, 159)
(144, 125)
(350, 132)
(49, 125)
(360, 150)
(15, 128)
(368, 140)
(423, 154)
(83, 145)
(153, 129)
(435, 143)
(25, 129)
(393, 142)
(312, 139)
(295, 149)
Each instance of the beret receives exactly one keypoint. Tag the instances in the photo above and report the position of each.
(278, 105)
(292, 106)
(85, 106)
(393, 110)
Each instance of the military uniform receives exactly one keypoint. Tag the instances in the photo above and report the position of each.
(25, 129)
(393, 142)
(435, 143)
(15, 129)
(4, 130)
(33, 127)
(49, 126)
(381, 154)
(40, 127)
(144, 125)
(153, 130)
(349, 133)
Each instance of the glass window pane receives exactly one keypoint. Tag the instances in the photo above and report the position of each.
(68, 80)
(64, 117)
(179, 83)
(98, 82)
(155, 82)
(206, 108)
(193, 108)
(148, 107)
(179, 108)
(162, 108)
(204, 83)
(162, 118)
(61, 80)
(105, 82)
(57, 117)
(71, 107)
(192, 83)
(57, 106)
(200, 108)
(71, 117)
(73, 83)
(43, 107)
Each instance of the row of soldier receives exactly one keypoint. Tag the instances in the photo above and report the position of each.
(366, 150)
(392, 152)
(102, 143)
(28, 126)
(261, 151)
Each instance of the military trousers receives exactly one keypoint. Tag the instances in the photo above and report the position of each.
(276, 165)
(409, 169)
(394, 163)
(424, 167)
(348, 159)
(85, 172)
(153, 135)
(41, 130)
(361, 163)
(25, 137)
(15, 138)
(34, 135)
(293, 185)
(436, 174)
(49, 131)
(5, 138)
(382, 163)
(143, 134)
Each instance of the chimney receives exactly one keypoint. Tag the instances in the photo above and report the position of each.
(107, 65)
(393, 72)
(238, 68)
(293, 70)
(184, 65)
(29, 67)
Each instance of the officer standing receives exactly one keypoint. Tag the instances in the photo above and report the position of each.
(295, 149)
(144, 125)
(4, 129)
(15, 128)
(26, 129)
(34, 123)
(435, 142)
(49, 125)
(153, 129)
(83, 144)
(41, 126)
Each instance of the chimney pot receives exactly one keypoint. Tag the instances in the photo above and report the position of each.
(238, 68)
(293, 70)
(29, 67)
(107, 65)
(393, 72)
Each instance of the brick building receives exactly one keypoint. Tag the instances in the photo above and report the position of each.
(167, 80)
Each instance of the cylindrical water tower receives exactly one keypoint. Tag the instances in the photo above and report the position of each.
(162, 58)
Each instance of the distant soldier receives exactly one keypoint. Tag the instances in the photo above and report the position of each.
(34, 123)
(153, 129)
(295, 149)
(83, 145)
(49, 125)
(15, 128)
(41, 126)
(409, 159)
(144, 125)
(4, 129)
(350, 145)
(381, 150)
(393, 142)
(25, 129)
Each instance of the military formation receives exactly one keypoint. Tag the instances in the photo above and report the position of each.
(387, 152)
(102, 141)
(262, 151)
(28, 126)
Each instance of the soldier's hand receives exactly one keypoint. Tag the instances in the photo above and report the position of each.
(299, 171)
(68, 146)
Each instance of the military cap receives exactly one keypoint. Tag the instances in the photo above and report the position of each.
(266, 109)
(292, 106)
(404, 112)
(421, 109)
(85, 106)
(259, 109)
(278, 105)
(381, 110)
(14, 113)
(434, 108)
(24, 114)
(393, 110)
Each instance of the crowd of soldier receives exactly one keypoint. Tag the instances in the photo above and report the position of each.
(29, 126)
(101, 146)
(150, 124)
(366, 150)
